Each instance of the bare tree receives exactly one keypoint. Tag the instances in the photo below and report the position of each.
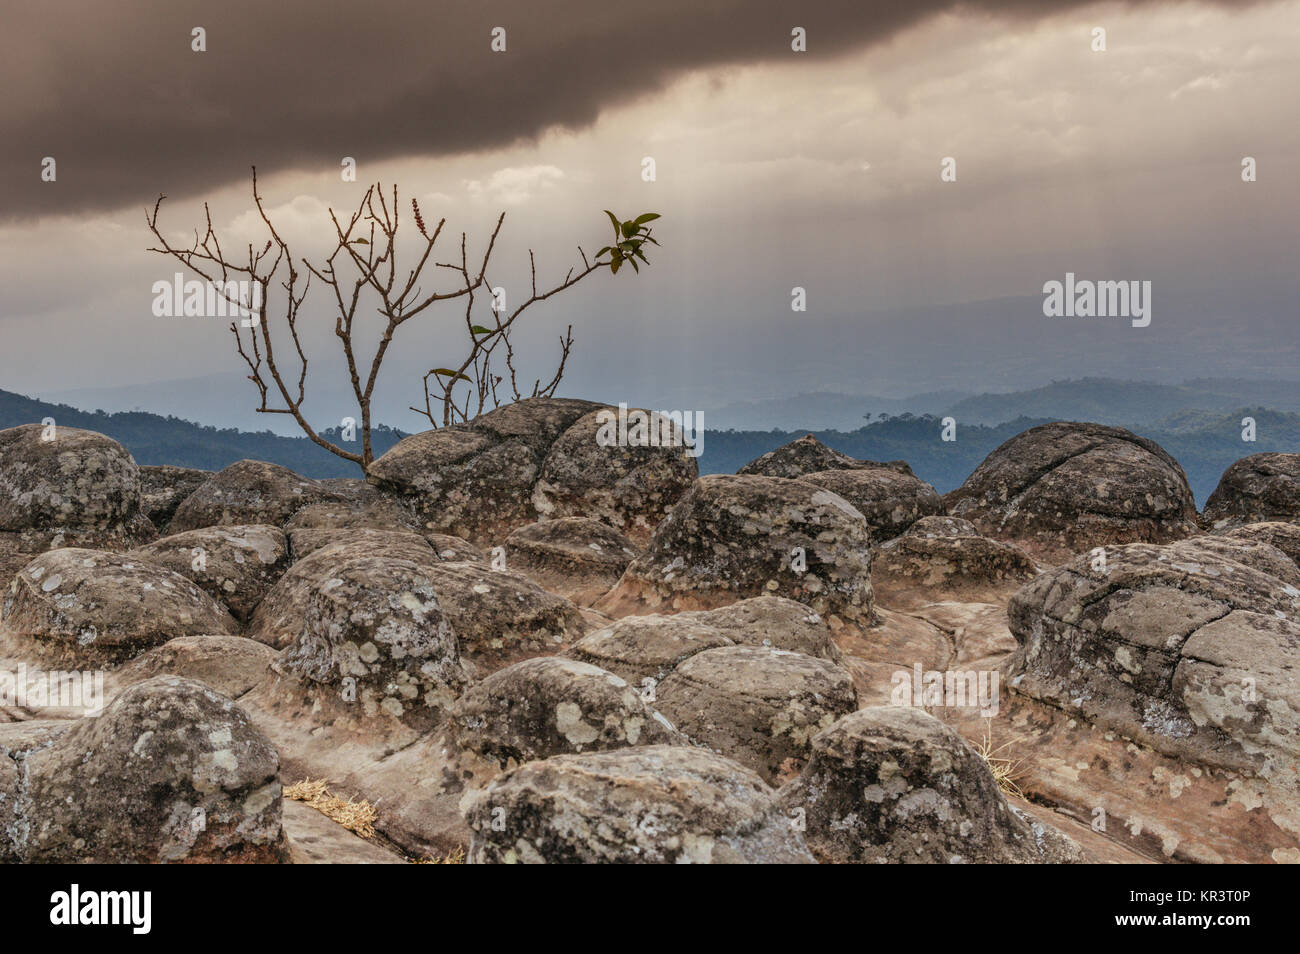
(363, 268)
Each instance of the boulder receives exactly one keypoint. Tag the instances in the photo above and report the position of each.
(235, 565)
(476, 480)
(374, 636)
(733, 537)
(650, 804)
(306, 542)
(773, 622)
(1284, 536)
(278, 617)
(375, 511)
(92, 607)
(947, 555)
(453, 549)
(163, 488)
(577, 557)
(231, 665)
(895, 785)
(1190, 648)
(171, 772)
(247, 492)
(630, 488)
(808, 455)
(891, 501)
(644, 649)
(1258, 488)
(550, 706)
(1060, 488)
(61, 486)
(758, 706)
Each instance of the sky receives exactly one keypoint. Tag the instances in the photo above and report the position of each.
(774, 170)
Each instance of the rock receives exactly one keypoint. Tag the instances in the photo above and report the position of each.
(1156, 643)
(894, 784)
(758, 706)
(278, 617)
(91, 607)
(550, 706)
(231, 665)
(1284, 536)
(948, 555)
(171, 772)
(773, 622)
(650, 804)
(374, 635)
(891, 501)
(476, 480)
(630, 488)
(644, 649)
(808, 455)
(1060, 488)
(734, 537)
(246, 492)
(306, 542)
(78, 486)
(163, 487)
(1258, 488)
(374, 512)
(453, 549)
(235, 565)
(502, 617)
(577, 557)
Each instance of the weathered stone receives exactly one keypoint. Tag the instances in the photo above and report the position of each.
(630, 488)
(758, 706)
(235, 565)
(375, 512)
(946, 554)
(1284, 536)
(773, 622)
(891, 501)
(894, 784)
(95, 607)
(1257, 488)
(453, 549)
(171, 772)
(375, 636)
(1156, 642)
(231, 665)
(808, 455)
(247, 492)
(550, 706)
(577, 557)
(163, 488)
(1060, 488)
(733, 537)
(306, 542)
(649, 804)
(644, 649)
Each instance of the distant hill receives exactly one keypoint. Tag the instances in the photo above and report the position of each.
(154, 439)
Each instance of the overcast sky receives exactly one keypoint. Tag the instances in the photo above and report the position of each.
(774, 169)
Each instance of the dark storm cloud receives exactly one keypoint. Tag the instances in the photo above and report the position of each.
(115, 94)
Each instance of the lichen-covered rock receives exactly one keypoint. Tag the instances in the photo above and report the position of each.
(1060, 488)
(63, 477)
(1284, 536)
(246, 492)
(235, 565)
(551, 706)
(374, 511)
(453, 549)
(307, 541)
(891, 501)
(808, 455)
(758, 706)
(374, 635)
(895, 785)
(773, 622)
(163, 488)
(577, 557)
(278, 617)
(231, 665)
(947, 555)
(644, 649)
(630, 488)
(733, 537)
(502, 617)
(89, 607)
(170, 772)
(476, 480)
(649, 805)
(1261, 487)
(1190, 648)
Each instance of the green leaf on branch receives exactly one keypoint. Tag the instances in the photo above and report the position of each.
(449, 373)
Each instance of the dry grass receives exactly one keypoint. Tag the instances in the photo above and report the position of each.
(456, 857)
(1006, 771)
(357, 817)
